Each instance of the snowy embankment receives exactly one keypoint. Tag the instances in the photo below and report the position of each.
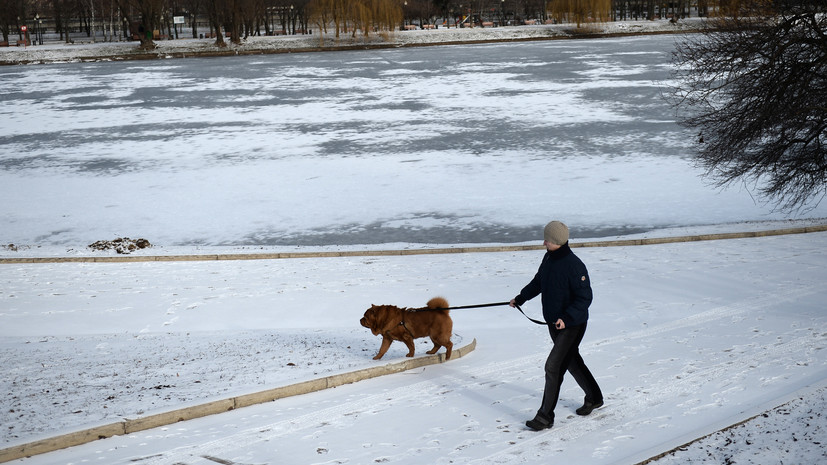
(685, 339)
(108, 51)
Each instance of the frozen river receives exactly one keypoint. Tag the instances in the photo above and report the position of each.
(449, 144)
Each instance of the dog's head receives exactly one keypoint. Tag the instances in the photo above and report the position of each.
(376, 318)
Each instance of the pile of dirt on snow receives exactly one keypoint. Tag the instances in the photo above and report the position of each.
(122, 245)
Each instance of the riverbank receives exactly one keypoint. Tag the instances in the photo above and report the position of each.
(679, 338)
(254, 45)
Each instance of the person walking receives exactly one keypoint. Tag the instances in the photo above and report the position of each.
(563, 282)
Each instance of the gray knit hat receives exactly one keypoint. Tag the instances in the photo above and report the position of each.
(556, 233)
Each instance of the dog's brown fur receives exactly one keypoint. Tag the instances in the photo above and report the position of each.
(404, 324)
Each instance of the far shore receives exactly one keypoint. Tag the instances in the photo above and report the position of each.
(59, 52)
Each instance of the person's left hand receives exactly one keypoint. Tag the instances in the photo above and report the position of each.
(560, 324)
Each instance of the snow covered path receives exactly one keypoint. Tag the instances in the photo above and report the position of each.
(684, 339)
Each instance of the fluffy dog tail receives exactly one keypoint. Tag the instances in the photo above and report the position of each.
(438, 302)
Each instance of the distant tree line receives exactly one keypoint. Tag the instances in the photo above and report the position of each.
(146, 20)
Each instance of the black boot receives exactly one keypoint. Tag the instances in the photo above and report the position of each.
(588, 406)
(540, 422)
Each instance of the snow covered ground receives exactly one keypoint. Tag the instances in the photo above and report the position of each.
(685, 339)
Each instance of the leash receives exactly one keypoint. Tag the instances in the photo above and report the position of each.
(539, 322)
(495, 304)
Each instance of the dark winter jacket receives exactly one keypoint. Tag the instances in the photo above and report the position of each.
(564, 284)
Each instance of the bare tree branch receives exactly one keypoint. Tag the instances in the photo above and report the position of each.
(754, 86)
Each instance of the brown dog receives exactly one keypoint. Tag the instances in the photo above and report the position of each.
(406, 324)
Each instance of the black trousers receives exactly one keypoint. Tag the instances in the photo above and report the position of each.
(565, 356)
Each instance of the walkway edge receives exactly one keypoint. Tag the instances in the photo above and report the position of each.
(768, 408)
(129, 426)
(375, 253)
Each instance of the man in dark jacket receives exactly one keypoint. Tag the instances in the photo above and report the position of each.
(566, 292)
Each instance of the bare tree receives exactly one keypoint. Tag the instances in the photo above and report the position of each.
(354, 15)
(193, 8)
(149, 12)
(580, 11)
(10, 13)
(754, 86)
(216, 13)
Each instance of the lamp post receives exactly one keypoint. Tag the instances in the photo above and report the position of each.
(39, 29)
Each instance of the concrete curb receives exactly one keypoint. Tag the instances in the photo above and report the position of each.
(129, 426)
(661, 455)
(375, 253)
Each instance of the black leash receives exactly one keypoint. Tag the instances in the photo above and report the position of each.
(539, 322)
(495, 304)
